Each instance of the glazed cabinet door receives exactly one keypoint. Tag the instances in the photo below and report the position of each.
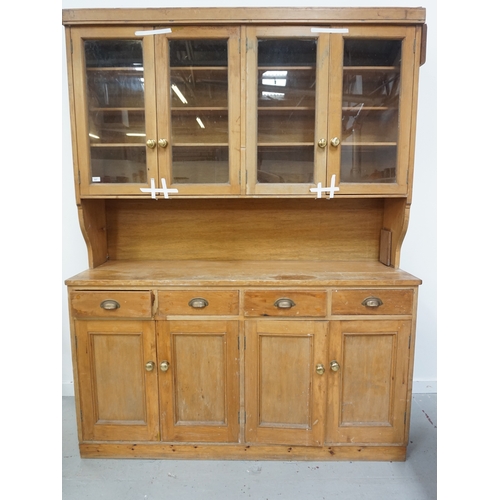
(287, 94)
(330, 101)
(117, 378)
(199, 380)
(157, 111)
(115, 108)
(199, 88)
(285, 382)
(368, 385)
(371, 101)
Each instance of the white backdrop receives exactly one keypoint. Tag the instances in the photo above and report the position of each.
(419, 252)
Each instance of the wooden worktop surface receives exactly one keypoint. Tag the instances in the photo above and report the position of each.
(241, 273)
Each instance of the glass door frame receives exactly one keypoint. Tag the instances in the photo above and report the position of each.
(280, 32)
(78, 36)
(407, 35)
(232, 34)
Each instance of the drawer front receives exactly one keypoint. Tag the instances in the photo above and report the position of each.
(201, 302)
(372, 301)
(284, 303)
(111, 304)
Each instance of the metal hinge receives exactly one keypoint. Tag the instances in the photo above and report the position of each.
(405, 418)
(409, 342)
(76, 342)
(414, 45)
(81, 415)
(79, 180)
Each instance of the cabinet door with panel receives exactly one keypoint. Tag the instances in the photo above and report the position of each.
(117, 377)
(285, 381)
(368, 381)
(157, 110)
(199, 380)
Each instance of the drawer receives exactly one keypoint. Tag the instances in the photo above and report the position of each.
(372, 301)
(284, 303)
(111, 304)
(198, 302)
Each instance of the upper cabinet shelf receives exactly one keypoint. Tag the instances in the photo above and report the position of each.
(244, 110)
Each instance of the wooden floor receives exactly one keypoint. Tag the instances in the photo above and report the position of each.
(415, 479)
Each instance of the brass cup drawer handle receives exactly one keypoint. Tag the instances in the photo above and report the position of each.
(110, 305)
(284, 303)
(372, 302)
(198, 303)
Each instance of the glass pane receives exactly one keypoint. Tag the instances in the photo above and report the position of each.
(199, 88)
(200, 165)
(291, 164)
(199, 114)
(201, 126)
(198, 52)
(370, 110)
(118, 165)
(116, 119)
(286, 110)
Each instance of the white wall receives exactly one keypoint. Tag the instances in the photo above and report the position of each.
(419, 253)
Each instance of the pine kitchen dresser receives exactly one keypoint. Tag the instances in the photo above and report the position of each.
(243, 178)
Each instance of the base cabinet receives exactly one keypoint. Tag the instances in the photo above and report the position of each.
(271, 370)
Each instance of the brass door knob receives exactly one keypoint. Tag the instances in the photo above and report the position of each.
(335, 142)
(322, 143)
(163, 143)
(150, 366)
(164, 366)
(151, 143)
(320, 369)
(335, 367)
